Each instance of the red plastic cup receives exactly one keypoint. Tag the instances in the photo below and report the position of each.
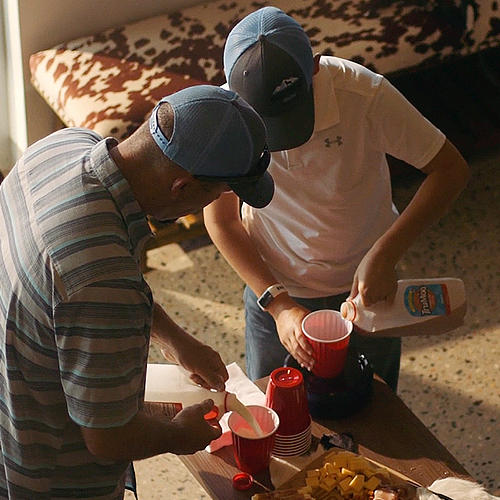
(252, 452)
(328, 333)
(286, 395)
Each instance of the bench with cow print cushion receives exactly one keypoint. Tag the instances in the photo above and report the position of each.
(110, 81)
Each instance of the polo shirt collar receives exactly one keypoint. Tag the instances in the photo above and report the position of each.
(119, 189)
(110, 175)
(326, 110)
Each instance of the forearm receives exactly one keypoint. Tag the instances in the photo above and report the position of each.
(143, 437)
(232, 240)
(203, 363)
(167, 334)
(447, 175)
(238, 249)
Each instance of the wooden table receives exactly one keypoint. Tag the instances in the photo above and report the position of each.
(385, 430)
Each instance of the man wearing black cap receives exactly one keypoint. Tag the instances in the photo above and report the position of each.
(76, 314)
(331, 229)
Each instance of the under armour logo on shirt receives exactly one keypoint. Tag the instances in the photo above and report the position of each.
(329, 142)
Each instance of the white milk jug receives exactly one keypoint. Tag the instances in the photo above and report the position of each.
(421, 306)
(171, 385)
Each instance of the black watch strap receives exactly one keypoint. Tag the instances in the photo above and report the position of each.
(267, 297)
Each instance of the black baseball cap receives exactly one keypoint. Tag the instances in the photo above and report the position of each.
(268, 61)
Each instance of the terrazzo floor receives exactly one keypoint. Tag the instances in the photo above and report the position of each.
(452, 382)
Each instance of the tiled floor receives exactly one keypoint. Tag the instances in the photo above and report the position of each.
(451, 382)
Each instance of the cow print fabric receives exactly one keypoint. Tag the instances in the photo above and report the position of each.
(111, 80)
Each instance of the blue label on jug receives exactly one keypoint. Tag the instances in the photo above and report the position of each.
(427, 300)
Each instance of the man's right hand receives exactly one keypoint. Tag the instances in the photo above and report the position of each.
(288, 315)
(194, 432)
(147, 435)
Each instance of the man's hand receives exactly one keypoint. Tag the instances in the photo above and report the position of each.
(194, 432)
(178, 346)
(148, 434)
(288, 315)
(203, 363)
(375, 279)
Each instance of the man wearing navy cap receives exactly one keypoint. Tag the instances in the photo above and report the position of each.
(331, 229)
(76, 314)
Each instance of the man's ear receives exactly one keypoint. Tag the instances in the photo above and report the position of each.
(179, 185)
(317, 57)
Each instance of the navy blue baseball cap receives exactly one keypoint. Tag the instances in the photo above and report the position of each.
(218, 137)
(268, 60)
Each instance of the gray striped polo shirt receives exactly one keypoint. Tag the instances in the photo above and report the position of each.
(75, 316)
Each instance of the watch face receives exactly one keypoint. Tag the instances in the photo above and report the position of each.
(266, 299)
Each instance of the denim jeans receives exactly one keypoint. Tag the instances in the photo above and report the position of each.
(265, 352)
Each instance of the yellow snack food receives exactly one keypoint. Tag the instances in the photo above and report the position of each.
(313, 473)
(357, 483)
(312, 481)
(343, 476)
(345, 484)
(372, 483)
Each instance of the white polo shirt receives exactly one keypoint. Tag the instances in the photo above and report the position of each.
(333, 195)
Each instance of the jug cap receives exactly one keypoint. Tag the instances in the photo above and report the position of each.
(242, 481)
(348, 310)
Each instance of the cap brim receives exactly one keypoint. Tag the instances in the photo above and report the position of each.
(258, 193)
(293, 127)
